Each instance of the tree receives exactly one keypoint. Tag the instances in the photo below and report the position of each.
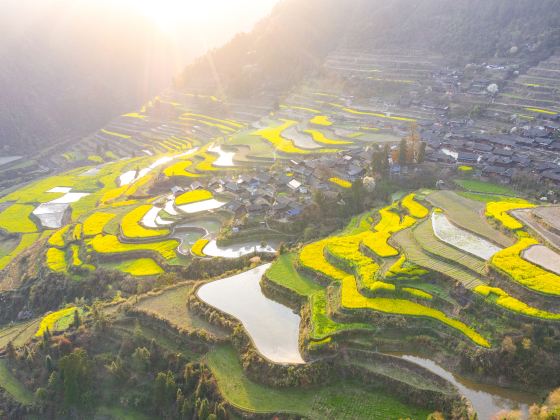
(358, 195)
(379, 162)
(141, 358)
(203, 409)
(75, 370)
(403, 153)
(10, 350)
(186, 409)
(165, 389)
(421, 153)
(48, 363)
(77, 320)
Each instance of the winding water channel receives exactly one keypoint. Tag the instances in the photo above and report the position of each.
(487, 400)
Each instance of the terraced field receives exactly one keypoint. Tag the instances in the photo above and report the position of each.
(468, 214)
(416, 254)
(349, 269)
(425, 237)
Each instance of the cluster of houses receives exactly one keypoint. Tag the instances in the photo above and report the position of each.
(528, 149)
(283, 193)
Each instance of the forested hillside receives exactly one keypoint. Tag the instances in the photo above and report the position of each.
(297, 36)
(67, 73)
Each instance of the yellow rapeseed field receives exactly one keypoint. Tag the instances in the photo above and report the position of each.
(198, 247)
(498, 210)
(50, 320)
(131, 227)
(56, 260)
(510, 262)
(510, 303)
(140, 267)
(58, 238)
(321, 120)
(319, 137)
(110, 244)
(193, 197)
(414, 208)
(95, 223)
(341, 182)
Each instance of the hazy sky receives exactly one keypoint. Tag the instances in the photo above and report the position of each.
(202, 23)
(192, 25)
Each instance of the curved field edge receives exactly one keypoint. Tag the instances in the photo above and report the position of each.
(284, 274)
(337, 400)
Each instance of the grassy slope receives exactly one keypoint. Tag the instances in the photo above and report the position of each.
(338, 401)
(171, 304)
(13, 386)
(487, 198)
(484, 187)
(283, 272)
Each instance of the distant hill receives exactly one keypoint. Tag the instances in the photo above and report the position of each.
(298, 35)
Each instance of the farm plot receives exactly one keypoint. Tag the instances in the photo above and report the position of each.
(540, 227)
(15, 219)
(543, 257)
(284, 273)
(301, 140)
(56, 321)
(414, 208)
(211, 249)
(225, 158)
(426, 237)
(459, 238)
(510, 262)
(132, 228)
(274, 135)
(96, 222)
(484, 187)
(201, 206)
(499, 211)
(391, 222)
(192, 197)
(468, 214)
(141, 267)
(500, 298)
(171, 304)
(321, 138)
(415, 254)
(25, 242)
(110, 244)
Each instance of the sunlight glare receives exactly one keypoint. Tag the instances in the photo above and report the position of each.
(170, 14)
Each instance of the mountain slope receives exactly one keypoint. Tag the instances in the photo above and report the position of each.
(297, 36)
(69, 69)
